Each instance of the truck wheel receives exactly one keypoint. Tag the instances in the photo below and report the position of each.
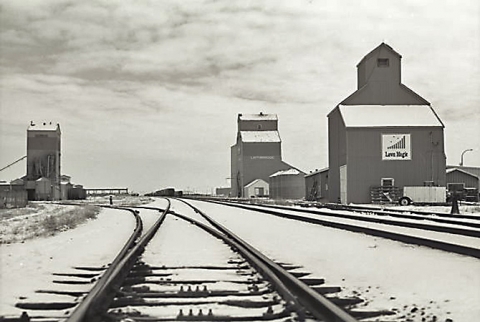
(405, 201)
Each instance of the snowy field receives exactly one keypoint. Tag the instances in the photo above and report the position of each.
(419, 283)
(28, 266)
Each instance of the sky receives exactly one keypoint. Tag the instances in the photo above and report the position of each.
(147, 92)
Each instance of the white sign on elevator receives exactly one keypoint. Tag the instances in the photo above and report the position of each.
(396, 147)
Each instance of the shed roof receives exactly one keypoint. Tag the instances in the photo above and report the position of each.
(389, 115)
(289, 172)
(257, 117)
(17, 181)
(316, 172)
(469, 169)
(256, 181)
(260, 136)
(462, 171)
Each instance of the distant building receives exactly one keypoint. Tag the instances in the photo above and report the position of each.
(316, 185)
(383, 135)
(222, 191)
(43, 179)
(466, 179)
(257, 153)
(13, 194)
(470, 169)
(256, 189)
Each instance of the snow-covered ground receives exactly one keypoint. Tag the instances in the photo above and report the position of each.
(28, 266)
(417, 232)
(417, 282)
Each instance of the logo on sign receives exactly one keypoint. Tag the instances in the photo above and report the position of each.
(396, 147)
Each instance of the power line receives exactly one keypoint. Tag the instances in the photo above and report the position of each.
(13, 163)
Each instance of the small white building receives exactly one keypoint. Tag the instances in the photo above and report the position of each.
(257, 188)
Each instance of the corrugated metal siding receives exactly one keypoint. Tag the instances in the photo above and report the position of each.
(366, 167)
(460, 177)
(287, 186)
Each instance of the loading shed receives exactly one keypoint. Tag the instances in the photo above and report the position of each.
(258, 188)
(316, 185)
(464, 181)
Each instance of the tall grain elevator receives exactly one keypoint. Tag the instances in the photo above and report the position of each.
(257, 153)
(43, 161)
(383, 135)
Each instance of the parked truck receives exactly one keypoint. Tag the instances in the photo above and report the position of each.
(423, 195)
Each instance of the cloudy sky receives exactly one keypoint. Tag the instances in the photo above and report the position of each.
(147, 92)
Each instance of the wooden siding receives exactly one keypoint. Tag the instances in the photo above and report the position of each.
(316, 186)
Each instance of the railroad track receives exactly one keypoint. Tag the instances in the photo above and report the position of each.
(452, 234)
(176, 271)
(390, 211)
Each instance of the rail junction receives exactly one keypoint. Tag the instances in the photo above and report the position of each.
(180, 264)
(233, 282)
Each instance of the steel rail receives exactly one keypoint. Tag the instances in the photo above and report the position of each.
(337, 206)
(292, 303)
(318, 305)
(445, 219)
(446, 246)
(417, 212)
(96, 302)
(419, 225)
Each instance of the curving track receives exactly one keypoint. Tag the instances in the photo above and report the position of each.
(176, 271)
